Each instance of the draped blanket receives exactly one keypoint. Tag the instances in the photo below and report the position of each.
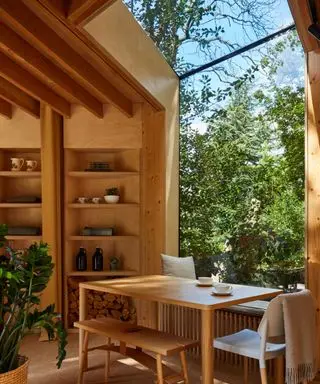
(300, 332)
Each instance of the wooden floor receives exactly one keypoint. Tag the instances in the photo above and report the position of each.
(124, 371)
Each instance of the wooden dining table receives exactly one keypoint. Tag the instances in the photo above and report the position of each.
(181, 292)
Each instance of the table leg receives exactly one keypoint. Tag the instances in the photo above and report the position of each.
(207, 334)
(82, 316)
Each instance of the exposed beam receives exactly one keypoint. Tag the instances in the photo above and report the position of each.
(302, 18)
(14, 45)
(5, 108)
(28, 24)
(34, 87)
(19, 98)
(82, 11)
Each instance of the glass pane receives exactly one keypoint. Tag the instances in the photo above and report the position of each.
(242, 167)
(192, 33)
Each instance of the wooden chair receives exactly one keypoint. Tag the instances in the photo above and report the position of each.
(141, 338)
(256, 345)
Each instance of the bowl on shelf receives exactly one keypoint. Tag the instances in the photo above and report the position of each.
(111, 199)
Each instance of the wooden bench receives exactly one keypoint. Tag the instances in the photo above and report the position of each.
(141, 338)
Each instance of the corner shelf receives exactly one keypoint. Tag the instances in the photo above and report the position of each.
(20, 174)
(102, 206)
(20, 205)
(102, 175)
(104, 273)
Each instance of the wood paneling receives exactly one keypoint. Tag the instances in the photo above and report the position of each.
(313, 179)
(17, 97)
(5, 108)
(22, 131)
(115, 130)
(28, 83)
(26, 54)
(301, 15)
(51, 152)
(37, 32)
(81, 11)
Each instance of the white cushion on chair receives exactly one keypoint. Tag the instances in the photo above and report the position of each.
(247, 343)
(178, 266)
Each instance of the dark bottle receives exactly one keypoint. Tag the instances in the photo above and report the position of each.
(81, 260)
(97, 260)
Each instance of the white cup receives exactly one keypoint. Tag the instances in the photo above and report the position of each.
(82, 200)
(96, 200)
(222, 288)
(205, 280)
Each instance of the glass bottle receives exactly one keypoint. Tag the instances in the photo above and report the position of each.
(97, 260)
(81, 260)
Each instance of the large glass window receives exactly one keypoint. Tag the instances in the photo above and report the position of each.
(241, 136)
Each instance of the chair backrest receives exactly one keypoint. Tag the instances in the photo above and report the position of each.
(272, 323)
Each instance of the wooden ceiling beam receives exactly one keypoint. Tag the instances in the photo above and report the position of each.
(82, 11)
(34, 87)
(5, 108)
(302, 18)
(15, 46)
(31, 27)
(17, 97)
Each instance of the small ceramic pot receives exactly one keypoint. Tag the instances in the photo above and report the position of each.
(96, 200)
(111, 199)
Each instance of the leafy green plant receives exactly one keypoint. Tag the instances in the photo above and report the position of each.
(24, 274)
(112, 192)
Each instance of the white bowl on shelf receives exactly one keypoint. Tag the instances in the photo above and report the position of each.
(111, 199)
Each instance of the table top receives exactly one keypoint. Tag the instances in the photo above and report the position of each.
(178, 291)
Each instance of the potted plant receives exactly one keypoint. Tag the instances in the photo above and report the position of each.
(24, 274)
(112, 195)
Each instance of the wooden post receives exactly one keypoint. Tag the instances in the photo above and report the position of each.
(313, 179)
(152, 204)
(51, 144)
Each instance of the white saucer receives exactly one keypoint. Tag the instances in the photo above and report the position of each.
(203, 284)
(227, 293)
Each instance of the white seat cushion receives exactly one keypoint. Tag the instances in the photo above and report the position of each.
(178, 266)
(247, 343)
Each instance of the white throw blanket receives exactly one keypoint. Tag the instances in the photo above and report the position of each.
(300, 331)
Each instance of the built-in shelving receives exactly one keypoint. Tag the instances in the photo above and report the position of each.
(102, 238)
(102, 206)
(124, 217)
(102, 175)
(104, 273)
(24, 237)
(20, 205)
(22, 174)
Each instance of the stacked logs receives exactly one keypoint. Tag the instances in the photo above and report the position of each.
(99, 304)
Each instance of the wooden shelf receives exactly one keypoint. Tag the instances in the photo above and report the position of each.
(103, 206)
(102, 238)
(104, 273)
(20, 174)
(102, 175)
(24, 237)
(20, 205)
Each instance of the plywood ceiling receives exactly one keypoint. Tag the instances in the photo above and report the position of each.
(47, 57)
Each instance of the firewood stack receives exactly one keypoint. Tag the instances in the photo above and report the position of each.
(99, 304)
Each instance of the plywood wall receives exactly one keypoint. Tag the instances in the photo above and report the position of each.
(22, 131)
(313, 178)
(121, 36)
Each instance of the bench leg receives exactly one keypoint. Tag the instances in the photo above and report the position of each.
(246, 369)
(107, 362)
(184, 367)
(83, 357)
(159, 370)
